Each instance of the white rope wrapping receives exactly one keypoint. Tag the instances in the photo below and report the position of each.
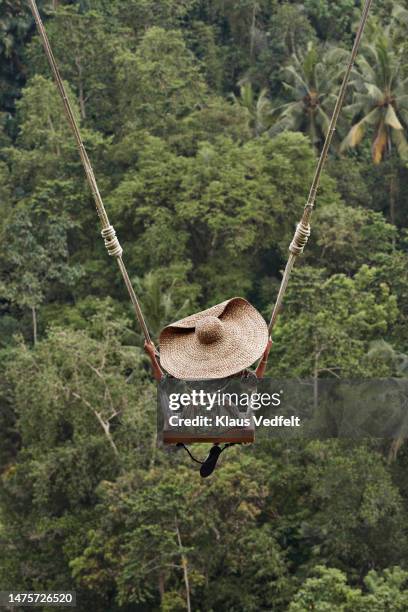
(300, 239)
(111, 241)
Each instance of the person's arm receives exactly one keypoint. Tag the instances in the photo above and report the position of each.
(260, 370)
(150, 350)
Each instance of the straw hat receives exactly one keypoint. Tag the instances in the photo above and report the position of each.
(215, 343)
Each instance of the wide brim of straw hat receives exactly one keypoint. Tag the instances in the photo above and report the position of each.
(243, 340)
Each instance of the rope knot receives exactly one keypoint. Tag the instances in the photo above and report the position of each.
(300, 239)
(111, 241)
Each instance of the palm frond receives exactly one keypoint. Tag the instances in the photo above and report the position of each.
(380, 143)
(391, 118)
(400, 15)
(375, 94)
(324, 120)
(353, 138)
(356, 134)
(292, 74)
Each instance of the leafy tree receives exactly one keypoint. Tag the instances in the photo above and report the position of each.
(201, 39)
(287, 30)
(355, 501)
(328, 590)
(290, 31)
(241, 21)
(332, 21)
(35, 258)
(225, 207)
(201, 213)
(15, 24)
(206, 122)
(391, 272)
(71, 439)
(44, 169)
(386, 589)
(352, 182)
(204, 197)
(5, 187)
(327, 327)
(44, 143)
(158, 506)
(343, 237)
(160, 83)
(144, 204)
(141, 15)
(93, 42)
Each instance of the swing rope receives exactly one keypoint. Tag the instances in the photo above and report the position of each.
(108, 233)
(302, 232)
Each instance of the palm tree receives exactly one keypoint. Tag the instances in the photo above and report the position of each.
(380, 104)
(258, 109)
(380, 99)
(159, 302)
(311, 82)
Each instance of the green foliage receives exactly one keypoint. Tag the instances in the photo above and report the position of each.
(180, 103)
(379, 103)
(259, 111)
(93, 44)
(160, 83)
(329, 590)
(162, 305)
(154, 507)
(144, 14)
(35, 258)
(44, 142)
(15, 24)
(331, 20)
(326, 328)
(344, 234)
(356, 504)
(311, 83)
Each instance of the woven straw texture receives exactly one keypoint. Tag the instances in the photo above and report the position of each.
(215, 343)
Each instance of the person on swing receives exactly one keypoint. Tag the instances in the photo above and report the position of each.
(219, 342)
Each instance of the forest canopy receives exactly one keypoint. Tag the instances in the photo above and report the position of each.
(203, 120)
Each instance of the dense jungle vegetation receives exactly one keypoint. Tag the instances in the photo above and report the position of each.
(203, 119)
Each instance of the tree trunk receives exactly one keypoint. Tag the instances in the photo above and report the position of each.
(185, 568)
(393, 191)
(81, 92)
(316, 378)
(252, 33)
(34, 316)
(82, 107)
(161, 586)
(54, 133)
(395, 447)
